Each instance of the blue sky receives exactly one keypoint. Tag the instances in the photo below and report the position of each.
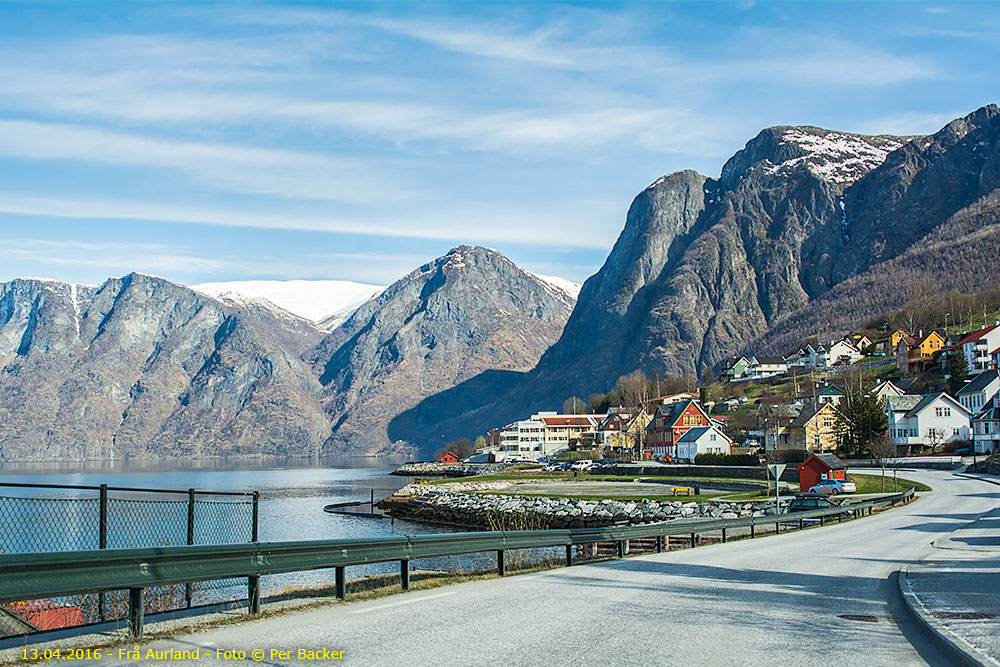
(233, 141)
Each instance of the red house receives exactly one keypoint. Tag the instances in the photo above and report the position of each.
(818, 467)
(670, 422)
(448, 457)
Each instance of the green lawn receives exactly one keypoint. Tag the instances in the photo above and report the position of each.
(873, 483)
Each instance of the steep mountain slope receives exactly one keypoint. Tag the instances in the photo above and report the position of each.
(799, 222)
(140, 367)
(470, 311)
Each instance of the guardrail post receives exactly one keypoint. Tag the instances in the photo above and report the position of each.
(404, 574)
(621, 548)
(102, 540)
(840, 517)
(253, 595)
(659, 543)
(777, 527)
(569, 555)
(694, 540)
(753, 530)
(822, 521)
(340, 582)
(802, 524)
(136, 611)
(501, 563)
(188, 590)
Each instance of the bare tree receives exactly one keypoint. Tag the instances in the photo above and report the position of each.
(575, 406)
(636, 390)
(935, 436)
(882, 451)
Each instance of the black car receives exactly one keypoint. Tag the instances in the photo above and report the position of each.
(804, 502)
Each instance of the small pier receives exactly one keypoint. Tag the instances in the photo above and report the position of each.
(362, 508)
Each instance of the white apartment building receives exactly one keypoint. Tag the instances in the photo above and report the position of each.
(978, 347)
(977, 393)
(986, 428)
(548, 433)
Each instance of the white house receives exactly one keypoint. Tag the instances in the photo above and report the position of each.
(523, 438)
(931, 419)
(884, 389)
(807, 357)
(986, 428)
(978, 392)
(842, 353)
(978, 347)
(765, 367)
(702, 440)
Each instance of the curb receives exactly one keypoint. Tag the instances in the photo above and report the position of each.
(955, 648)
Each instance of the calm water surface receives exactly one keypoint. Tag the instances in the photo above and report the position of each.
(292, 496)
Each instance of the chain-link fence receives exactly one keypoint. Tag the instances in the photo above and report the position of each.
(47, 517)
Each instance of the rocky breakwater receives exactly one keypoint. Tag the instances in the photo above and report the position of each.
(430, 469)
(417, 502)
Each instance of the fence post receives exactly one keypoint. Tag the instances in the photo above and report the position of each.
(341, 583)
(404, 574)
(621, 548)
(188, 591)
(569, 555)
(136, 611)
(253, 594)
(256, 514)
(501, 563)
(102, 541)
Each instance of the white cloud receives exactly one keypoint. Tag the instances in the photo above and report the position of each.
(460, 226)
(242, 169)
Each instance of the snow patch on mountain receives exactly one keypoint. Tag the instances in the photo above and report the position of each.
(833, 156)
(568, 286)
(314, 300)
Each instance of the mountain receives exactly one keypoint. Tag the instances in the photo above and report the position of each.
(323, 302)
(806, 230)
(471, 313)
(141, 367)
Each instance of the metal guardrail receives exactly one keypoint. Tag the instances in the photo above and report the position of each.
(40, 575)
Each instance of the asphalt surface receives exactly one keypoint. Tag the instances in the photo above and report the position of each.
(774, 600)
(956, 589)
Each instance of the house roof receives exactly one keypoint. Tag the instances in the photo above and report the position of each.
(692, 434)
(770, 361)
(979, 383)
(883, 385)
(976, 335)
(904, 383)
(572, 420)
(672, 412)
(926, 400)
(807, 415)
(831, 461)
(904, 402)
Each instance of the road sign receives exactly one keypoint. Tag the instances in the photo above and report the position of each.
(776, 469)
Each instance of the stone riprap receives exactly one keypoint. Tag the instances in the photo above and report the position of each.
(430, 469)
(501, 512)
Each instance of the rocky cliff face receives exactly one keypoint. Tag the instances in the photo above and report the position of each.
(703, 267)
(806, 230)
(140, 367)
(469, 312)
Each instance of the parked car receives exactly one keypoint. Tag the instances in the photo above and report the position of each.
(803, 502)
(831, 487)
(583, 464)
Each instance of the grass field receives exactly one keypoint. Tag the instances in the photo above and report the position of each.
(873, 483)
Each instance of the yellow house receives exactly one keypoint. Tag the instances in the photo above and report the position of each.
(888, 343)
(913, 353)
(815, 430)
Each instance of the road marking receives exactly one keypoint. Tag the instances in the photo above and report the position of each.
(396, 604)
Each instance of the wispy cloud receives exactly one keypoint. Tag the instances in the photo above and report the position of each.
(249, 170)
(497, 225)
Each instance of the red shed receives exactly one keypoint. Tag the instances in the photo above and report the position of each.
(820, 466)
(448, 457)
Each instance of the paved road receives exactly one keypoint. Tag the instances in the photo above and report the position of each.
(774, 600)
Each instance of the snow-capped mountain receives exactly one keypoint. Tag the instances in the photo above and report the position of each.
(326, 302)
(568, 286)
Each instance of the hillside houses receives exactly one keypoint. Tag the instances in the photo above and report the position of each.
(981, 348)
(977, 393)
(670, 422)
(986, 427)
(917, 353)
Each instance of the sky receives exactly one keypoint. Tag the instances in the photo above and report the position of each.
(234, 141)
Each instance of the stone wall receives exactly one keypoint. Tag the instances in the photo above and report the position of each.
(501, 512)
(429, 469)
(790, 474)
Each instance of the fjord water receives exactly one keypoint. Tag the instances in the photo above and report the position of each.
(292, 496)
